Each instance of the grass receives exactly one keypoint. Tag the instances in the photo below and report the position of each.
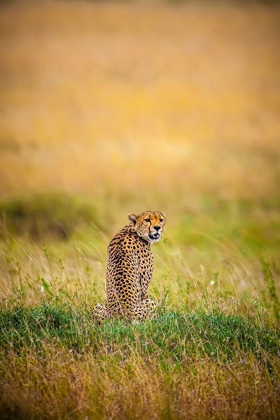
(213, 350)
(171, 336)
(164, 366)
(109, 108)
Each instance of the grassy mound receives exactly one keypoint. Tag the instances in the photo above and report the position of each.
(173, 334)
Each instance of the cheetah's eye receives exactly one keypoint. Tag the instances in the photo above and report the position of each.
(147, 220)
(161, 220)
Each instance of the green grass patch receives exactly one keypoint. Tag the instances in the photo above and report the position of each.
(172, 336)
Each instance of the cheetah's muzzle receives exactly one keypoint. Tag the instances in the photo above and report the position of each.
(155, 236)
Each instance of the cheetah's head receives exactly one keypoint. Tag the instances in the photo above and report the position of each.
(148, 225)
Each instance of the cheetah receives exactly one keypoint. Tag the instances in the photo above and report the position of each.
(130, 269)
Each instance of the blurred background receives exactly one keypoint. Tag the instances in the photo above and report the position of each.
(109, 108)
(135, 105)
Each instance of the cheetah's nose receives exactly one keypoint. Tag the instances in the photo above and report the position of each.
(157, 228)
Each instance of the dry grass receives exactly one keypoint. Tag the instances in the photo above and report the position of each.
(136, 390)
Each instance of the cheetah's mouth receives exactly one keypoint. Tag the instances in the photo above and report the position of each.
(155, 236)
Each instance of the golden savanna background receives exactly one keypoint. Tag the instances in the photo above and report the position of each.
(161, 102)
(109, 108)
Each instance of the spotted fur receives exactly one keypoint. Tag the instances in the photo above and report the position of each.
(130, 269)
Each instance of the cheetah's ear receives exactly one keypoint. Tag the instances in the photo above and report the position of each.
(132, 218)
